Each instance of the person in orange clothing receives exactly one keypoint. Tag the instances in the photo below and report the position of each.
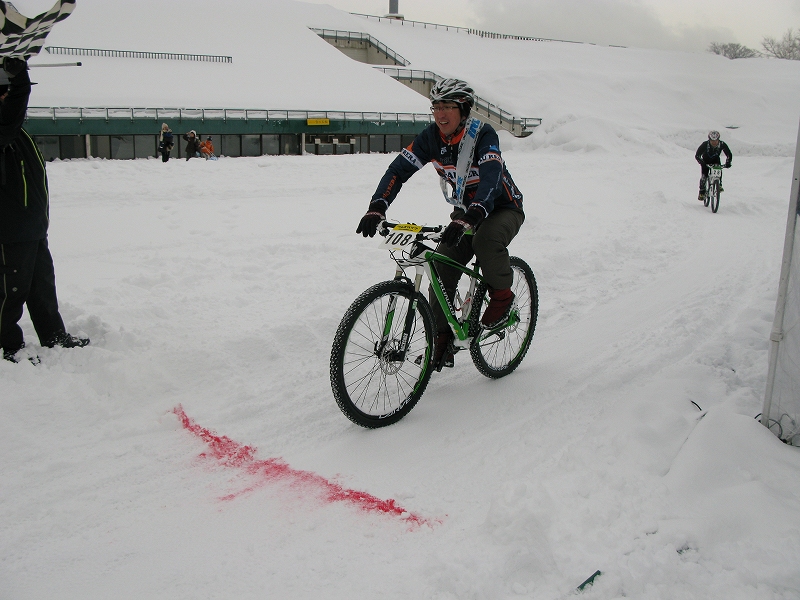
(207, 148)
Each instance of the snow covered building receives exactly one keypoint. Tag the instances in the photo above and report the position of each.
(256, 76)
(281, 77)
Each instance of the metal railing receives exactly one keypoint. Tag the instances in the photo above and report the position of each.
(422, 24)
(355, 36)
(467, 30)
(137, 54)
(224, 114)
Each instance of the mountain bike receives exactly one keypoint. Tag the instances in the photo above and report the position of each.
(713, 186)
(381, 359)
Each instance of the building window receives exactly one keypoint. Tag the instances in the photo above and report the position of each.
(100, 146)
(362, 144)
(122, 147)
(73, 146)
(145, 145)
(377, 143)
(393, 143)
(251, 145)
(290, 144)
(271, 144)
(231, 145)
(48, 146)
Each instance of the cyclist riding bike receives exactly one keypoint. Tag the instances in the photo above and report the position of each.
(466, 154)
(709, 154)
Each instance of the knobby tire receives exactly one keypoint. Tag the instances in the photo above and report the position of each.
(714, 193)
(498, 355)
(373, 385)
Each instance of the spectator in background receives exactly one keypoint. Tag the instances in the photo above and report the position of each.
(27, 276)
(192, 144)
(207, 149)
(166, 142)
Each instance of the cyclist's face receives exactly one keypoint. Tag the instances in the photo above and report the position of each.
(715, 143)
(447, 116)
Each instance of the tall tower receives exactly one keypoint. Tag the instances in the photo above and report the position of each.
(393, 10)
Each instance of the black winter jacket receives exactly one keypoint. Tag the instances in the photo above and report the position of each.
(24, 197)
(489, 183)
(708, 155)
(192, 144)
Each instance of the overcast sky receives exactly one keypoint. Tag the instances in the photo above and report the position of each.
(665, 24)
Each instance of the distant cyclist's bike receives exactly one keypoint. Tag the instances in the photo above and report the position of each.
(713, 187)
(381, 360)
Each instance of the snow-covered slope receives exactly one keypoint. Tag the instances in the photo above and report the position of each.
(278, 62)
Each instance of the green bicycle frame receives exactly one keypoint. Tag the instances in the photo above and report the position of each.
(460, 330)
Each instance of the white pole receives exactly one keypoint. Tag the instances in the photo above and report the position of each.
(783, 287)
(72, 64)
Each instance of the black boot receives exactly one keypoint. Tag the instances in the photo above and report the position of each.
(443, 351)
(65, 340)
(13, 355)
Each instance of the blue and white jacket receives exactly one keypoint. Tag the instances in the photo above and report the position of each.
(488, 185)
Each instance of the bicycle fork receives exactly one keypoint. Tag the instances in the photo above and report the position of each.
(398, 353)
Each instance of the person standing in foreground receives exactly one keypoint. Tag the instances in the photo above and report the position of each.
(708, 154)
(27, 276)
(463, 149)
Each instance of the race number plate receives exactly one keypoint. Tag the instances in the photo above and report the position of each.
(401, 237)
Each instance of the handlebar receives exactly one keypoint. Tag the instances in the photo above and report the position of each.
(385, 226)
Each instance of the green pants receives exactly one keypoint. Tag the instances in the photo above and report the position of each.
(490, 245)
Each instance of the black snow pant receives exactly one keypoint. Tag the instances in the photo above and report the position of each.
(490, 245)
(27, 277)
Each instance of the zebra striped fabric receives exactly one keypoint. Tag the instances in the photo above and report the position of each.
(22, 37)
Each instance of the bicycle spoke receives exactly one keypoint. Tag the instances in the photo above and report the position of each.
(500, 352)
(373, 380)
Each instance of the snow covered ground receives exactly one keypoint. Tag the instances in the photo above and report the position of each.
(194, 449)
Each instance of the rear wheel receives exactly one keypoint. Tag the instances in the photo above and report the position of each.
(375, 384)
(498, 354)
(714, 194)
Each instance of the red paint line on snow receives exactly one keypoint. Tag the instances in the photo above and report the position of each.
(232, 454)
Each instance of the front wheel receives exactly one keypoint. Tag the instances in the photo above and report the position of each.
(714, 194)
(498, 354)
(374, 381)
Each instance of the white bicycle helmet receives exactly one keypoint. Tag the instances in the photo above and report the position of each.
(454, 90)
(713, 135)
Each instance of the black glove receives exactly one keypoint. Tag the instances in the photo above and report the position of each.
(727, 165)
(455, 231)
(14, 66)
(368, 225)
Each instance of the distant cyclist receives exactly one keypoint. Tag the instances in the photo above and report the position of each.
(708, 154)
(488, 202)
